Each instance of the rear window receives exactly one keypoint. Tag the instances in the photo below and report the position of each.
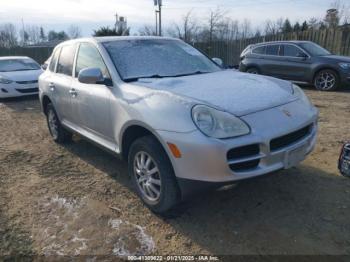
(272, 49)
(54, 60)
(18, 64)
(260, 50)
(65, 62)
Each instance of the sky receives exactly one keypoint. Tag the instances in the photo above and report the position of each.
(91, 14)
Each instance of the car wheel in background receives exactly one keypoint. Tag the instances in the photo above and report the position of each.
(152, 174)
(326, 80)
(253, 70)
(58, 133)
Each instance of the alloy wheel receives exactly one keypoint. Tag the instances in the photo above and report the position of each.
(53, 123)
(325, 81)
(147, 176)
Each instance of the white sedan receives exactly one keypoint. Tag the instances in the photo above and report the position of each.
(18, 76)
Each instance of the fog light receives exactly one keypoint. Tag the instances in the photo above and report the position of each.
(174, 149)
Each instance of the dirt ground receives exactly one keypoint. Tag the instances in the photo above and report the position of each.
(77, 199)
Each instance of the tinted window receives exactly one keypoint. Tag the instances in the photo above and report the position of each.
(88, 56)
(291, 50)
(65, 62)
(272, 49)
(314, 49)
(162, 58)
(260, 50)
(54, 60)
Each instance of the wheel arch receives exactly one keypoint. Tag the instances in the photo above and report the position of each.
(45, 101)
(132, 131)
(323, 67)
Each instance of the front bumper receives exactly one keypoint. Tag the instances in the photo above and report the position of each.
(207, 159)
(18, 89)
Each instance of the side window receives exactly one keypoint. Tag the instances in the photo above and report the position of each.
(89, 56)
(261, 50)
(272, 50)
(293, 51)
(54, 60)
(66, 60)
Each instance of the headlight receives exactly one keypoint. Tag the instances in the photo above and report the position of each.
(5, 81)
(298, 92)
(345, 66)
(218, 124)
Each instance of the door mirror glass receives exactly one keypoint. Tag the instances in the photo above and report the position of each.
(218, 61)
(91, 76)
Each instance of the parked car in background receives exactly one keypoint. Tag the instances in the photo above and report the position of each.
(18, 76)
(297, 61)
(179, 119)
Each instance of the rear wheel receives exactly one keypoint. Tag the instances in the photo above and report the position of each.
(253, 70)
(326, 80)
(58, 133)
(152, 174)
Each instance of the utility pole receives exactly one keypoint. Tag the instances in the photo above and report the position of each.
(158, 16)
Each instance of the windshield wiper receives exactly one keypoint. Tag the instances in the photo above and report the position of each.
(134, 79)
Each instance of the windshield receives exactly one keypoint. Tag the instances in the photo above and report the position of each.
(314, 49)
(10, 65)
(157, 58)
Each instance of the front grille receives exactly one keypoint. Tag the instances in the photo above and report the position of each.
(27, 82)
(244, 151)
(290, 138)
(28, 90)
(244, 158)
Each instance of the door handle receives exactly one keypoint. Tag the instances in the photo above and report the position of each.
(52, 87)
(73, 92)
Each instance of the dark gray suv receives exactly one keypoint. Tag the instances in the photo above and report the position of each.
(297, 61)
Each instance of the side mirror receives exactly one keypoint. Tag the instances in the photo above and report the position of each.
(218, 61)
(44, 66)
(91, 76)
(302, 55)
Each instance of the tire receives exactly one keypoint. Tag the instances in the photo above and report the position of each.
(58, 133)
(164, 180)
(253, 70)
(326, 80)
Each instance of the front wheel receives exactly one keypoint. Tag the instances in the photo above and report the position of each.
(152, 175)
(58, 133)
(326, 80)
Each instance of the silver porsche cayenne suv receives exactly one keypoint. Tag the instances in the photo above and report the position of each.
(181, 121)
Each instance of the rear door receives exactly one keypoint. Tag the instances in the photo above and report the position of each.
(295, 64)
(91, 103)
(272, 60)
(60, 83)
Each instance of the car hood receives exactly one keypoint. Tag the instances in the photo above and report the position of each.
(28, 75)
(234, 92)
(339, 58)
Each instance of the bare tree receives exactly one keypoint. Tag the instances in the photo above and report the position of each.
(214, 21)
(339, 13)
(273, 27)
(147, 30)
(8, 35)
(186, 30)
(74, 32)
(246, 29)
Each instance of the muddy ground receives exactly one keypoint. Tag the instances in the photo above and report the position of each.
(77, 199)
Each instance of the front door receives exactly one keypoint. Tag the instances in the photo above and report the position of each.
(91, 102)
